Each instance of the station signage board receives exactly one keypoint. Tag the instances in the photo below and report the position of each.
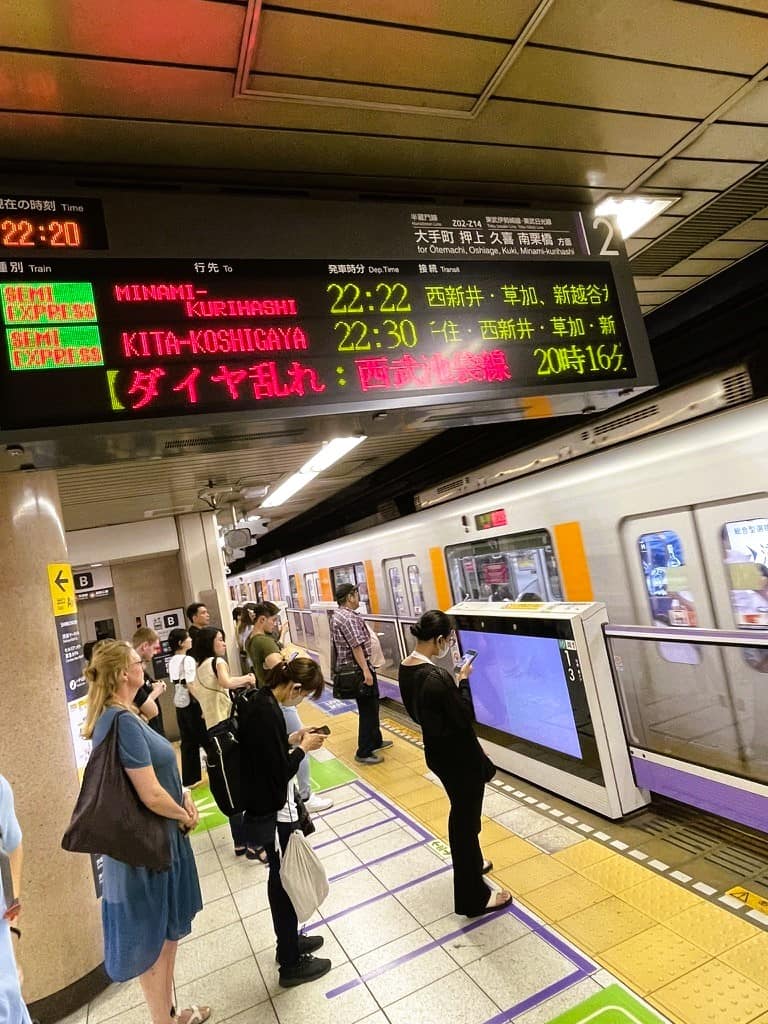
(466, 310)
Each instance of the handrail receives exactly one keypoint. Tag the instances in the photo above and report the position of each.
(690, 634)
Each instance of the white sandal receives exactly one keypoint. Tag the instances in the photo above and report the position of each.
(194, 1015)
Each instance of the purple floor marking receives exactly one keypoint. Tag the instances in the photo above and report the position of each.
(538, 997)
(554, 940)
(387, 892)
(583, 967)
(376, 860)
(357, 832)
(426, 948)
(352, 803)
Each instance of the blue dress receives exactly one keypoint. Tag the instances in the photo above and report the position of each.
(12, 1006)
(141, 909)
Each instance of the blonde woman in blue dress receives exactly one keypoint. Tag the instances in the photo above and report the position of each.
(144, 912)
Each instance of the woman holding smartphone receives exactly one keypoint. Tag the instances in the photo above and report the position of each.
(442, 706)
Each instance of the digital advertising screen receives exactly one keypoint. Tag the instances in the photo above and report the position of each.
(519, 687)
(528, 690)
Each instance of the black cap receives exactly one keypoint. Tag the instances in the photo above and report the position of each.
(343, 591)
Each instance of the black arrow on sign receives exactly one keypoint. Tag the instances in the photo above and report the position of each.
(61, 580)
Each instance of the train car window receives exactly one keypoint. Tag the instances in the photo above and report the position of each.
(517, 566)
(309, 626)
(666, 579)
(312, 587)
(353, 573)
(415, 589)
(745, 554)
(293, 586)
(259, 592)
(297, 628)
(397, 590)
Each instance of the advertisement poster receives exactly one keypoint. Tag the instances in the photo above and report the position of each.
(746, 559)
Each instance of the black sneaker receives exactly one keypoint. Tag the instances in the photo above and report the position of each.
(307, 944)
(309, 968)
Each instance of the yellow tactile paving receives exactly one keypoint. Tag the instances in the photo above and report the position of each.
(750, 958)
(605, 924)
(421, 794)
(660, 898)
(492, 832)
(653, 958)
(532, 873)
(712, 929)
(510, 851)
(583, 855)
(616, 873)
(565, 896)
(713, 994)
(403, 783)
(438, 808)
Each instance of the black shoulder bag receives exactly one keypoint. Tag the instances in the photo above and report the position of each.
(109, 818)
(347, 677)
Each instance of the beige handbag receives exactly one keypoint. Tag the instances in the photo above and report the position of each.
(303, 876)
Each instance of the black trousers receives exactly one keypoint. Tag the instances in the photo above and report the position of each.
(284, 919)
(369, 736)
(470, 892)
(192, 735)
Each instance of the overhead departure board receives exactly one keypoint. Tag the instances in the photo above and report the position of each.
(115, 340)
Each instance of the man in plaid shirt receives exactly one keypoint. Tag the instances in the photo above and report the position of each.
(352, 643)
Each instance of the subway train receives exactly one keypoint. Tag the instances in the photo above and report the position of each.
(659, 510)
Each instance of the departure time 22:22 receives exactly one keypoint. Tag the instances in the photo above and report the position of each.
(351, 301)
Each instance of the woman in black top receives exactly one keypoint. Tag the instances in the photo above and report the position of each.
(270, 760)
(443, 708)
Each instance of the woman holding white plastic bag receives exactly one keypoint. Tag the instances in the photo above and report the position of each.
(270, 760)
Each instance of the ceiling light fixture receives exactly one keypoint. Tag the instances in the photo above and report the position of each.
(633, 212)
(330, 452)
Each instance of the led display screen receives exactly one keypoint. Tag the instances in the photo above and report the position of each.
(105, 340)
(519, 687)
(53, 223)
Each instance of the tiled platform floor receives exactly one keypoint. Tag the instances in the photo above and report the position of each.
(584, 916)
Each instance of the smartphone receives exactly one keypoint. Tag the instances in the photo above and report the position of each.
(468, 657)
(321, 728)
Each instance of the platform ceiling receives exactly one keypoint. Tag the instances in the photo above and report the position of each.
(550, 102)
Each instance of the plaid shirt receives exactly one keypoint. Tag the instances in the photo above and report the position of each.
(348, 630)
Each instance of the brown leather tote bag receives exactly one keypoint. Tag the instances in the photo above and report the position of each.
(109, 818)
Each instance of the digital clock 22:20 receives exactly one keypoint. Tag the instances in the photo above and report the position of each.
(56, 234)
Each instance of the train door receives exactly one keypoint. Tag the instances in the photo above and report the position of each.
(312, 587)
(513, 567)
(683, 695)
(734, 539)
(405, 587)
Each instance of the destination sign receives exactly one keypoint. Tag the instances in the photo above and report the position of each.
(105, 340)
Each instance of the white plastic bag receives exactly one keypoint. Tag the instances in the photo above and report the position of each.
(303, 876)
(377, 658)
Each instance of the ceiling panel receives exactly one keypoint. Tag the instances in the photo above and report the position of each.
(314, 87)
(753, 109)
(122, 492)
(658, 226)
(721, 140)
(665, 283)
(499, 19)
(700, 174)
(727, 249)
(128, 142)
(670, 31)
(182, 94)
(693, 267)
(182, 31)
(360, 52)
(584, 79)
(751, 229)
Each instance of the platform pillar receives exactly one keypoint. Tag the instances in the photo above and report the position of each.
(62, 939)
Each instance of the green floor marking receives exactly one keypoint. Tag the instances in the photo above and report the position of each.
(210, 815)
(614, 1005)
(327, 774)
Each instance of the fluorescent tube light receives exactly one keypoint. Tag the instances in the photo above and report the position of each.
(634, 212)
(330, 452)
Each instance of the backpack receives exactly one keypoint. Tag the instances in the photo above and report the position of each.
(222, 752)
